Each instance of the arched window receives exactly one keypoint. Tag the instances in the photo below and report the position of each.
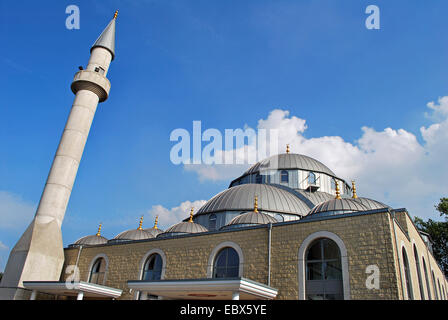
(407, 274)
(311, 178)
(152, 269)
(333, 184)
(440, 290)
(323, 271)
(212, 222)
(435, 286)
(258, 178)
(98, 272)
(428, 288)
(284, 176)
(226, 264)
(419, 274)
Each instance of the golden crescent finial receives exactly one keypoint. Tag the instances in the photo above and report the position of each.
(338, 194)
(141, 224)
(256, 204)
(355, 196)
(99, 230)
(155, 222)
(115, 14)
(191, 215)
(287, 148)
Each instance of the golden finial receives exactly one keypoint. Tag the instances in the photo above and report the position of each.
(155, 223)
(99, 230)
(191, 215)
(115, 14)
(256, 204)
(338, 194)
(141, 224)
(354, 190)
(287, 148)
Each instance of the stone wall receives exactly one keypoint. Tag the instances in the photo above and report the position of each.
(368, 238)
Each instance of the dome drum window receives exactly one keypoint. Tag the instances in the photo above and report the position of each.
(312, 182)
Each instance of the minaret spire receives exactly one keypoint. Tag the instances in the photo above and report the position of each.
(39, 253)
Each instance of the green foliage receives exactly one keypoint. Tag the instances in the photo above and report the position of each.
(438, 231)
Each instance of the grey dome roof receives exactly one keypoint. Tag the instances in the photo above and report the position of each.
(154, 232)
(184, 227)
(371, 204)
(241, 198)
(315, 197)
(134, 234)
(91, 240)
(339, 205)
(290, 161)
(252, 218)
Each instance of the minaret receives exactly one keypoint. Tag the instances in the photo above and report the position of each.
(39, 255)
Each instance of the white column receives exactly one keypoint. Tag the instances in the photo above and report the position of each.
(236, 295)
(80, 295)
(33, 295)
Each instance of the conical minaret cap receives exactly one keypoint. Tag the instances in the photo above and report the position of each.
(107, 39)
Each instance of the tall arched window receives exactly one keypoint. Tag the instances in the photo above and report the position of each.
(407, 274)
(152, 269)
(284, 176)
(212, 222)
(312, 178)
(428, 288)
(435, 286)
(98, 272)
(440, 290)
(258, 178)
(323, 271)
(227, 263)
(419, 274)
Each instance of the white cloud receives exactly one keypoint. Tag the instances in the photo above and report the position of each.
(15, 213)
(168, 217)
(3, 246)
(389, 165)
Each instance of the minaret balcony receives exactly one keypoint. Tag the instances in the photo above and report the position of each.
(92, 81)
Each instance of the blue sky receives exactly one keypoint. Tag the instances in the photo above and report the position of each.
(227, 64)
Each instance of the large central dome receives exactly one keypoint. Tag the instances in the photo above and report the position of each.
(289, 161)
(241, 198)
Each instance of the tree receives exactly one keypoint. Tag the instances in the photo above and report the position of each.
(438, 231)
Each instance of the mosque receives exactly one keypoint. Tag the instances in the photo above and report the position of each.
(288, 228)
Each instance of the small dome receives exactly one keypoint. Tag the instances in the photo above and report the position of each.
(250, 218)
(134, 234)
(90, 240)
(371, 204)
(338, 206)
(154, 232)
(184, 227)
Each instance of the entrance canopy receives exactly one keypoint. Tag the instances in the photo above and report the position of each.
(203, 289)
(79, 289)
